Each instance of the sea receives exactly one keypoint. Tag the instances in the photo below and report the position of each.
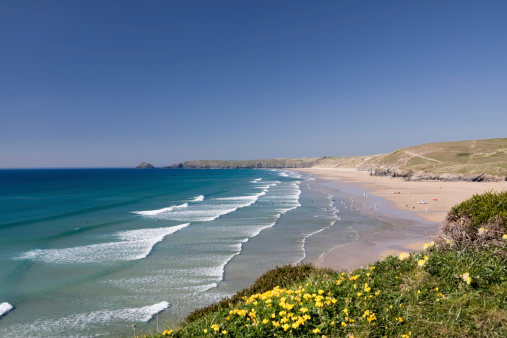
(92, 252)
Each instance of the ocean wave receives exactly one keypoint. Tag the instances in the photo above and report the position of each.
(163, 210)
(132, 245)
(199, 198)
(4, 308)
(255, 180)
(83, 321)
(216, 207)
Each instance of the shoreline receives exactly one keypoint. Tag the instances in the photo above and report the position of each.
(394, 201)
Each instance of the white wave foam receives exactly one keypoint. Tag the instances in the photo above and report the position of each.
(133, 245)
(83, 321)
(283, 174)
(214, 209)
(163, 210)
(199, 198)
(256, 180)
(4, 308)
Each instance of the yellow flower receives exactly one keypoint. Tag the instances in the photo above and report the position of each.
(481, 231)
(504, 236)
(205, 330)
(404, 255)
(285, 327)
(428, 245)
(265, 321)
(344, 324)
(466, 277)
(421, 262)
(224, 332)
(166, 333)
(317, 330)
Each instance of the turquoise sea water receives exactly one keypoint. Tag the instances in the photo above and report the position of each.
(91, 252)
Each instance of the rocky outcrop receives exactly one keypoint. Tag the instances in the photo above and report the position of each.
(424, 176)
(145, 165)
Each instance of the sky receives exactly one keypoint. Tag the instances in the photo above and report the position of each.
(113, 83)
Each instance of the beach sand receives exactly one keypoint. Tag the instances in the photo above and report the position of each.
(395, 200)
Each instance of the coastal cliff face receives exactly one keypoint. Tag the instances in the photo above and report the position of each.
(145, 165)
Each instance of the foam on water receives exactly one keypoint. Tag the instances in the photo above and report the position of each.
(132, 245)
(256, 180)
(213, 208)
(83, 321)
(161, 211)
(4, 308)
(199, 198)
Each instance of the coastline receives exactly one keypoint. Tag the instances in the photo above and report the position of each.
(394, 201)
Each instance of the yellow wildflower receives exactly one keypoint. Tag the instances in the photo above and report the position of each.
(265, 321)
(504, 236)
(166, 333)
(404, 255)
(344, 324)
(317, 330)
(421, 262)
(466, 277)
(482, 231)
(224, 332)
(205, 330)
(428, 245)
(285, 327)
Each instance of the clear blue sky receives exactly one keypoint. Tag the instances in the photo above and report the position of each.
(113, 83)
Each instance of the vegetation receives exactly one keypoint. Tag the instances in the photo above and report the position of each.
(478, 222)
(445, 291)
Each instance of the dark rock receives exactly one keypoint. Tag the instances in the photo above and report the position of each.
(144, 165)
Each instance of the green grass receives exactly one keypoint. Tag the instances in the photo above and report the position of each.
(480, 209)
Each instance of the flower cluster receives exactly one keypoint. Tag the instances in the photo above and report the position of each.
(466, 277)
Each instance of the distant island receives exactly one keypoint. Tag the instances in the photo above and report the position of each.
(145, 165)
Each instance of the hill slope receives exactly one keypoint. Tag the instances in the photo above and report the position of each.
(475, 158)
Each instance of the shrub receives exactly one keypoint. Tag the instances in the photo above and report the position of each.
(477, 222)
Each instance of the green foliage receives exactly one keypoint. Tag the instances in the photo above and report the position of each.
(481, 208)
(279, 276)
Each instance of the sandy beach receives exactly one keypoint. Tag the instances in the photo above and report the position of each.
(398, 201)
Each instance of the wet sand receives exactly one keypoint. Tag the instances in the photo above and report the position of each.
(395, 201)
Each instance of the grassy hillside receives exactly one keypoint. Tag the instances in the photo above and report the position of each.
(452, 289)
(462, 157)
